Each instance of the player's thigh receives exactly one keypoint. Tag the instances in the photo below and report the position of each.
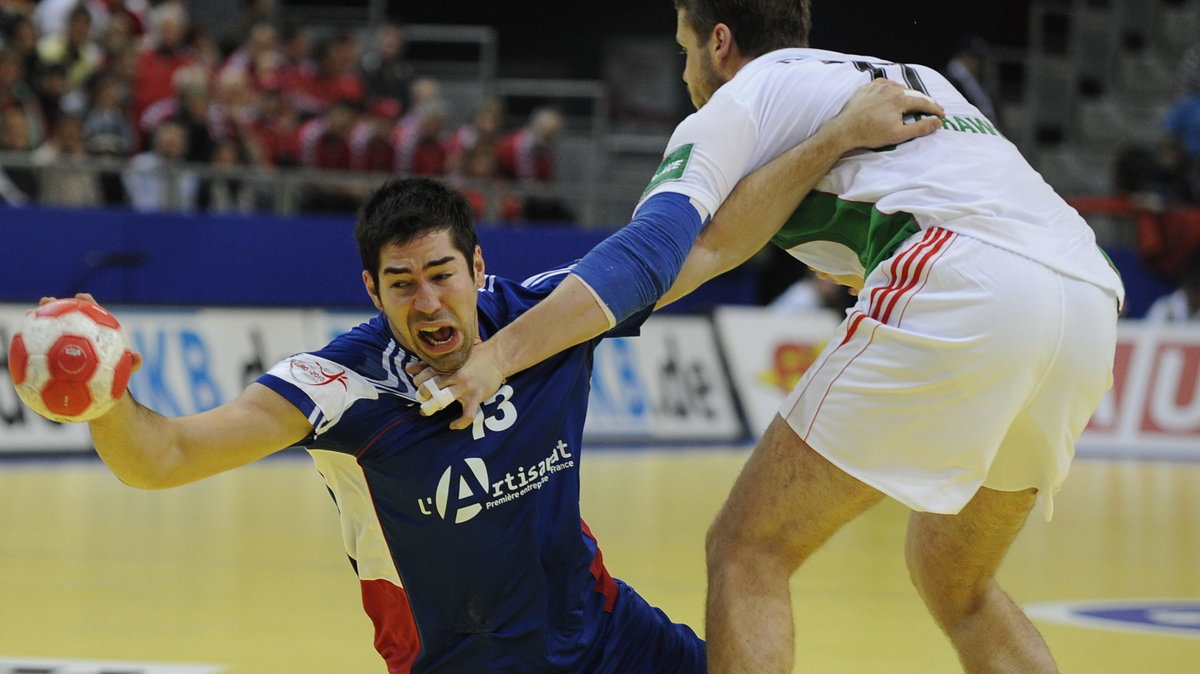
(957, 553)
(789, 497)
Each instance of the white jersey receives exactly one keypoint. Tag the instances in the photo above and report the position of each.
(965, 178)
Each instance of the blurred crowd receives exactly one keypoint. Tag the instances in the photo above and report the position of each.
(145, 84)
(1168, 174)
(1159, 186)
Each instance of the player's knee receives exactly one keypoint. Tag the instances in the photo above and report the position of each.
(729, 539)
(732, 541)
(717, 541)
(948, 599)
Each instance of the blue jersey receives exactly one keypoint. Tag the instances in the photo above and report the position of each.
(469, 544)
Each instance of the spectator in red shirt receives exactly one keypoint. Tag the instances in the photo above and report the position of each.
(528, 152)
(334, 77)
(121, 11)
(235, 114)
(325, 140)
(325, 144)
(295, 45)
(260, 58)
(372, 145)
(158, 61)
(419, 146)
(189, 107)
(476, 179)
(527, 155)
(482, 130)
(278, 130)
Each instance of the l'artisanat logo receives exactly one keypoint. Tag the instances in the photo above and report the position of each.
(465, 489)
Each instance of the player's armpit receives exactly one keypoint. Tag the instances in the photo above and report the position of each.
(149, 451)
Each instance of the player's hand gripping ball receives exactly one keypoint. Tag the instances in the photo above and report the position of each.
(70, 361)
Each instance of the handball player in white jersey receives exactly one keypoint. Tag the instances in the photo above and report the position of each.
(981, 342)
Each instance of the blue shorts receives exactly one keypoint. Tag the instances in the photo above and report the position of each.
(641, 639)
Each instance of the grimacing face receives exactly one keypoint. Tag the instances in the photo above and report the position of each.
(699, 72)
(429, 292)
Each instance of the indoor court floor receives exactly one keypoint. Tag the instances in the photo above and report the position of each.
(243, 573)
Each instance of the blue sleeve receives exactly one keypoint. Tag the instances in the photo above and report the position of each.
(635, 266)
(536, 287)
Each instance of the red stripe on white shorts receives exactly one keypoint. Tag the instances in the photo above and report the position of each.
(896, 272)
(907, 270)
(853, 327)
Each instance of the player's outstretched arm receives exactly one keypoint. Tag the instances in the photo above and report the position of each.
(147, 450)
(759, 205)
(574, 312)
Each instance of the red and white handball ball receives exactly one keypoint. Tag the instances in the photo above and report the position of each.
(70, 361)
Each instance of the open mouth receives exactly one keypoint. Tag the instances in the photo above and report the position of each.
(437, 337)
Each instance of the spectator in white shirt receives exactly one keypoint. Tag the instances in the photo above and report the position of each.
(156, 180)
(1183, 305)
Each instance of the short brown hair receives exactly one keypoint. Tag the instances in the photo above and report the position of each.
(405, 208)
(758, 26)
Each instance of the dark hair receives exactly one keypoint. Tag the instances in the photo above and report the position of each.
(403, 209)
(80, 11)
(758, 26)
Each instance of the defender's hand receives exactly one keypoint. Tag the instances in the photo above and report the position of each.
(874, 115)
(473, 383)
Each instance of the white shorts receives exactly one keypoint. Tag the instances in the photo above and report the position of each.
(962, 365)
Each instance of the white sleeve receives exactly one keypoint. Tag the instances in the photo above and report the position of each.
(320, 388)
(708, 153)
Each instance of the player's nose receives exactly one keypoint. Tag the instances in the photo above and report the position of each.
(428, 299)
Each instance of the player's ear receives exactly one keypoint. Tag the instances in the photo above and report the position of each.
(371, 290)
(721, 42)
(477, 265)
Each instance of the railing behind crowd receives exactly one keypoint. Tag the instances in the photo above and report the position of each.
(597, 203)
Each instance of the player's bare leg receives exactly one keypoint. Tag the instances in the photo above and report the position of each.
(953, 559)
(787, 501)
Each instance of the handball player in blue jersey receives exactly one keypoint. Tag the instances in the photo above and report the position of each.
(468, 543)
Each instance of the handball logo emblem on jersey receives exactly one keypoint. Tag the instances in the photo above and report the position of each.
(464, 490)
(672, 167)
(311, 372)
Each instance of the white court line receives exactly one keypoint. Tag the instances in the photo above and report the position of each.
(11, 665)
